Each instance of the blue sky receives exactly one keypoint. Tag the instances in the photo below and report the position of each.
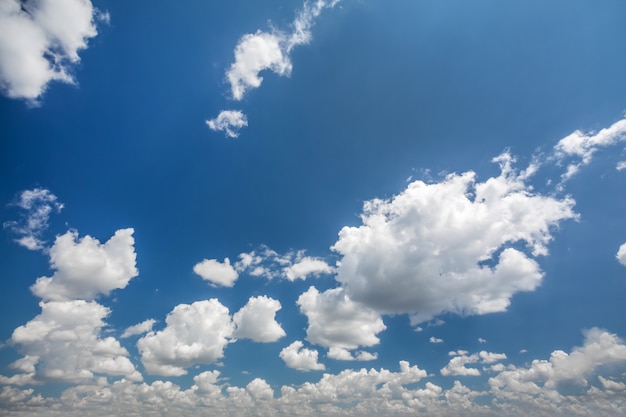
(336, 208)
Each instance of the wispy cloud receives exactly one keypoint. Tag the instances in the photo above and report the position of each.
(229, 122)
(261, 51)
(36, 205)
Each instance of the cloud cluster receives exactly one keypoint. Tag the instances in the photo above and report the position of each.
(37, 204)
(196, 333)
(261, 51)
(85, 268)
(263, 262)
(460, 358)
(451, 246)
(40, 41)
(338, 323)
(63, 343)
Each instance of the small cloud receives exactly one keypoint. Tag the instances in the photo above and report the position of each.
(621, 166)
(216, 272)
(141, 328)
(621, 254)
(257, 320)
(297, 357)
(229, 122)
(435, 340)
(523, 351)
(36, 205)
(481, 340)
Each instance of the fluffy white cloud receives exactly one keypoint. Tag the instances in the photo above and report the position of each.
(296, 356)
(40, 41)
(216, 272)
(253, 54)
(305, 267)
(229, 122)
(621, 254)
(141, 328)
(601, 351)
(259, 389)
(64, 343)
(456, 366)
(583, 145)
(621, 166)
(195, 334)
(37, 205)
(256, 320)
(85, 268)
(448, 246)
(336, 321)
(270, 51)
(433, 339)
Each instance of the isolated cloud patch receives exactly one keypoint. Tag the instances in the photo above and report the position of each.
(36, 205)
(85, 268)
(456, 366)
(451, 246)
(296, 356)
(621, 254)
(257, 320)
(335, 321)
(216, 272)
(40, 41)
(194, 334)
(141, 328)
(229, 122)
(64, 344)
(582, 146)
(261, 51)
(263, 262)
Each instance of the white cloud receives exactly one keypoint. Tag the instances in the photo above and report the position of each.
(621, 166)
(141, 328)
(296, 356)
(342, 354)
(85, 268)
(40, 41)
(253, 54)
(259, 389)
(64, 343)
(261, 51)
(37, 205)
(481, 340)
(448, 246)
(621, 254)
(216, 272)
(336, 321)
(601, 351)
(583, 145)
(194, 334)
(256, 320)
(229, 122)
(306, 267)
(267, 263)
(457, 367)
(435, 340)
